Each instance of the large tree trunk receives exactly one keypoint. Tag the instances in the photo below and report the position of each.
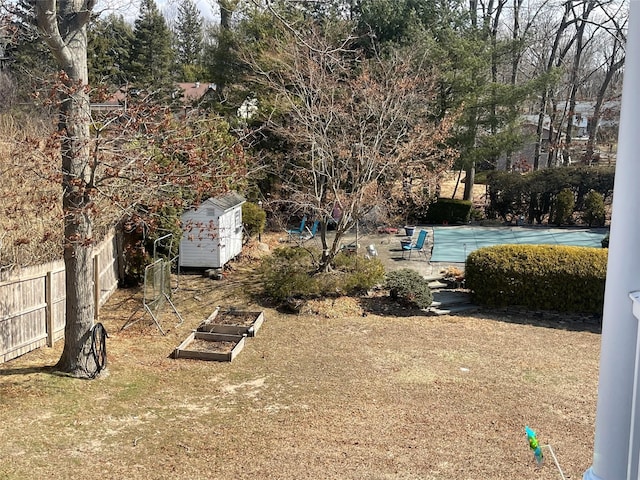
(64, 31)
(77, 358)
(470, 174)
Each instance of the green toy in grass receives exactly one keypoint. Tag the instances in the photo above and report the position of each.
(535, 446)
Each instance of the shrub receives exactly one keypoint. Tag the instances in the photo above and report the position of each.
(254, 218)
(409, 287)
(594, 211)
(291, 272)
(511, 194)
(564, 204)
(288, 272)
(605, 241)
(362, 274)
(449, 210)
(546, 277)
(476, 215)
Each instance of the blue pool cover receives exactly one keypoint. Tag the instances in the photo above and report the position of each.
(453, 244)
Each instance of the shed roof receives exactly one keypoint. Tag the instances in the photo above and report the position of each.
(227, 201)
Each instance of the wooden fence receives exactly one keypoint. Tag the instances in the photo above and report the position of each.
(32, 300)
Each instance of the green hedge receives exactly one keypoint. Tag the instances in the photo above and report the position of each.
(254, 218)
(534, 194)
(545, 277)
(449, 210)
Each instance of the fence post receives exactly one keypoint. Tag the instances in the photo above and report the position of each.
(96, 288)
(48, 299)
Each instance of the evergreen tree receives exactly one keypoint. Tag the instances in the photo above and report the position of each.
(223, 63)
(151, 53)
(108, 52)
(189, 40)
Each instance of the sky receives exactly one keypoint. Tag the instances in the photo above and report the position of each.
(129, 8)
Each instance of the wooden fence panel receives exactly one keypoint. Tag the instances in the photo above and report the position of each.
(58, 296)
(32, 301)
(107, 268)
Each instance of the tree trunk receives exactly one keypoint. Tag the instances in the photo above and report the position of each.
(77, 358)
(69, 48)
(540, 130)
(470, 174)
(574, 82)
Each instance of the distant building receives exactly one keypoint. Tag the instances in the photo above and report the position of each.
(523, 158)
(189, 94)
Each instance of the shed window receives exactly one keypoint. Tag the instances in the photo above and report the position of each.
(238, 218)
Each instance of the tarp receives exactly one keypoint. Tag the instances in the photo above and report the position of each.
(454, 243)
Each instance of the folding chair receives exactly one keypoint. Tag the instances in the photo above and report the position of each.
(310, 233)
(297, 232)
(417, 246)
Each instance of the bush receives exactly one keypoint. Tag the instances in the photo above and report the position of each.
(449, 210)
(512, 194)
(291, 273)
(409, 287)
(564, 204)
(605, 241)
(254, 218)
(545, 277)
(362, 274)
(288, 272)
(594, 211)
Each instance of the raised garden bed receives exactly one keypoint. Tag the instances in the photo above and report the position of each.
(218, 347)
(233, 322)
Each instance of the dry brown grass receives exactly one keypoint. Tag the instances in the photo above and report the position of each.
(330, 395)
(31, 220)
(31, 211)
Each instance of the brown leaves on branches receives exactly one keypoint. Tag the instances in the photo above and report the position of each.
(142, 158)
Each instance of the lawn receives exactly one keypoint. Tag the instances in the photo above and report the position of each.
(334, 393)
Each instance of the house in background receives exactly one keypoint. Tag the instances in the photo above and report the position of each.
(522, 159)
(212, 232)
(189, 94)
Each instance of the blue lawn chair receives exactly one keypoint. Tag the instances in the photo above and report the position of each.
(310, 233)
(417, 246)
(297, 232)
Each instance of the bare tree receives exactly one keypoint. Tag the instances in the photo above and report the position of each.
(353, 125)
(614, 61)
(574, 73)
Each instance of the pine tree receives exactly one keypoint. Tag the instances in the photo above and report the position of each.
(189, 35)
(151, 53)
(108, 52)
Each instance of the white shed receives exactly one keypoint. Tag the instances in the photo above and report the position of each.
(212, 232)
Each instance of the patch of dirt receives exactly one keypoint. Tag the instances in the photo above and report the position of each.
(217, 346)
(235, 318)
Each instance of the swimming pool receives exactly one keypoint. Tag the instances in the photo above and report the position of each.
(454, 243)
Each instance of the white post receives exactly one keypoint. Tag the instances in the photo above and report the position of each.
(614, 451)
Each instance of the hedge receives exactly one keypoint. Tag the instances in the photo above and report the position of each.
(544, 277)
(449, 210)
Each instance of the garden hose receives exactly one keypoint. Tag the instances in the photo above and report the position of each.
(99, 347)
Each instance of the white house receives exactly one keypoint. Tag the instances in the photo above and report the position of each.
(212, 232)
